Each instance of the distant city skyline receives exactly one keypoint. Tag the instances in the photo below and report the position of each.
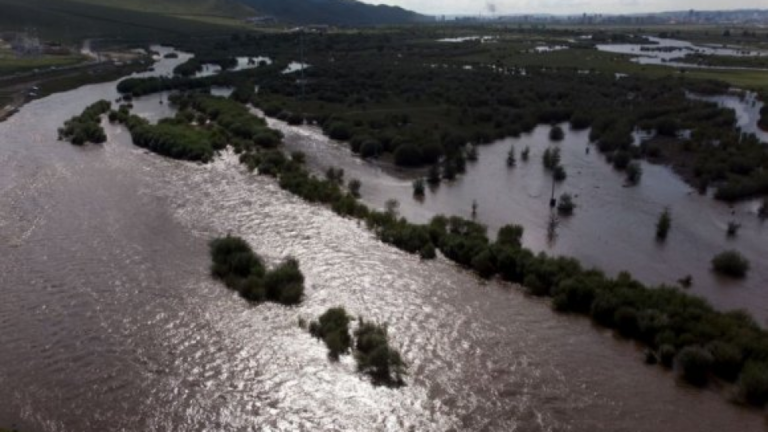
(560, 7)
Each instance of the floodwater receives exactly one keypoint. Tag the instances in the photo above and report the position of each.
(666, 51)
(613, 227)
(109, 319)
(746, 105)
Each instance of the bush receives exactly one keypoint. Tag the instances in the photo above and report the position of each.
(667, 355)
(85, 128)
(695, 363)
(333, 329)
(370, 149)
(241, 269)
(753, 383)
(731, 264)
(510, 235)
(727, 360)
(556, 133)
(565, 205)
(408, 155)
(663, 225)
(285, 284)
(354, 187)
(375, 357)
(419, 187)
(634, 173)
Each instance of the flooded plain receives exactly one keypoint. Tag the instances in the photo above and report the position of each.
(109, 319)
(613, 227)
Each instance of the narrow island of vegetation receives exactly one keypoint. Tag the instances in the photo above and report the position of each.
(86, 128)
(372, 351)
(235, 264)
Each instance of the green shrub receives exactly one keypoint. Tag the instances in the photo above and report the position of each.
(732, 264)
(285, 283)
(556, 133)
(663, 225)
(727, 360)
(375, 357)
(235, 263)
(753, 383)
(333, 329)
(695, 363)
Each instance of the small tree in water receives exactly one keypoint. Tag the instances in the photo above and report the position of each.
(566, 206)
(511, 161)
(526, 154)
(472, 153)
(634, 173)
(354, 187)
(419, 187)
(433, 176)
(556, 134)
(392, 206)
(731, 264)
(762, 212)
(733, 229)
(663, 225)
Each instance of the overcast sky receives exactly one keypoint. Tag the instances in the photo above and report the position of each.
(439, 7)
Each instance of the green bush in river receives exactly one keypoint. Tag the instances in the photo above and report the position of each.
(375, 357)
(333, 328)
(235, 264)
(86, 127)
(731, 264)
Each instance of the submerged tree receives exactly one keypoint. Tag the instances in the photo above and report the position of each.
(565, 205)
(526, 154)
(376, 357)
(732, 264)
(634, 173)
(511, 161)
(354, 187)
(333, 329)
(419, 187)
(663, 225)
(556, 133)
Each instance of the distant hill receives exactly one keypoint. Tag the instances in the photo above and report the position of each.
(123, 19)
(335, 12)
(221, 8)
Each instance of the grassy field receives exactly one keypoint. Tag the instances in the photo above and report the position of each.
(12, 65)
(71, 21)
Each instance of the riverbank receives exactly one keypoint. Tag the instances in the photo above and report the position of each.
(16, 91)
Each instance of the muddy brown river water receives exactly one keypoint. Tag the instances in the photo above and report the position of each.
(109, 320)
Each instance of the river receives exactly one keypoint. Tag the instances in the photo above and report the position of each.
(663, 51)
(110, 321)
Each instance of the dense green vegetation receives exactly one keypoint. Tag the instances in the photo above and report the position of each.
(86, 127)
(374, 356)
(333, 329)
(203, 125)
(731, 263)
(566, 206)
(235, 264)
